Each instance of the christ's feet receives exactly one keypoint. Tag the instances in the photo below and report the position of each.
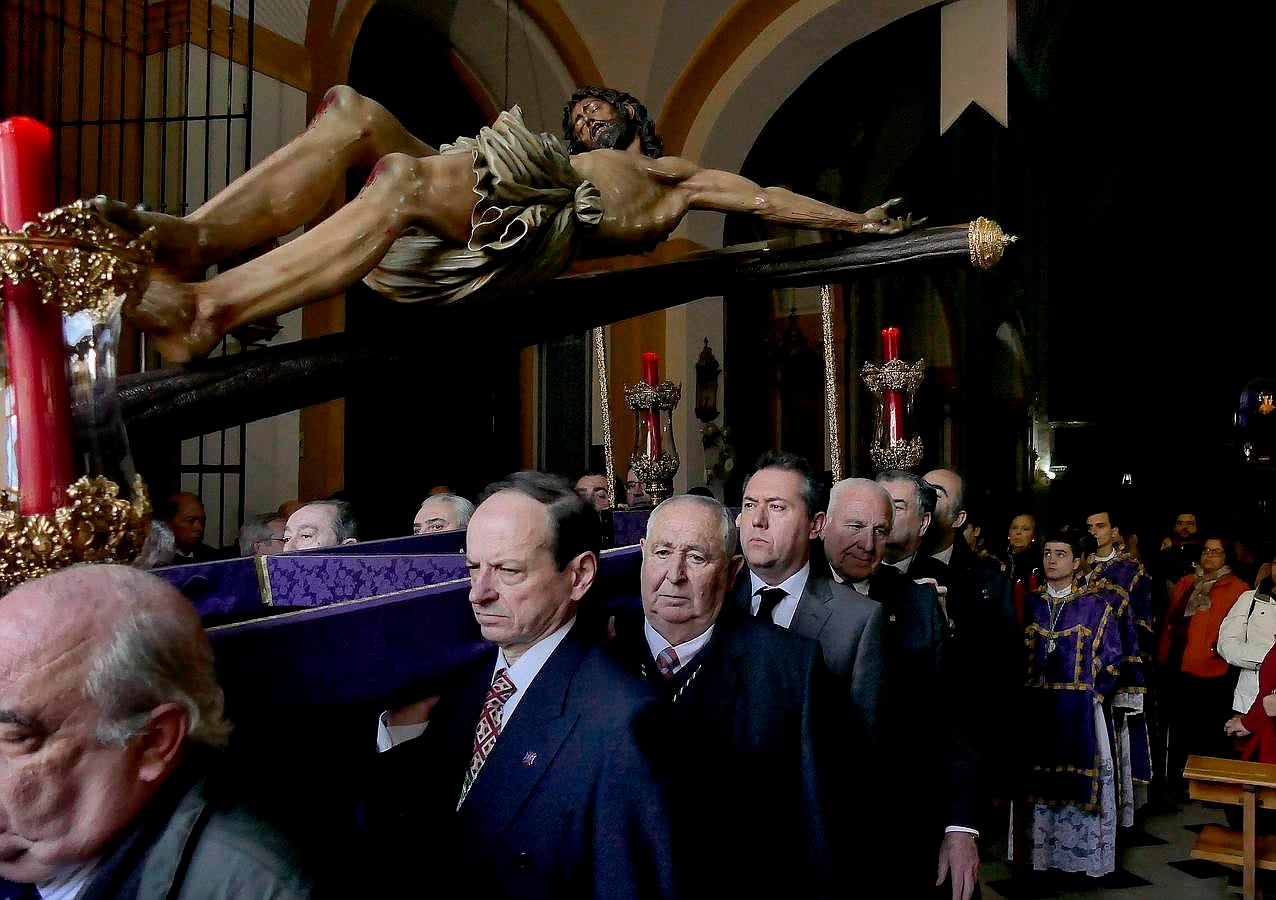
(179, 244)
(175, 321)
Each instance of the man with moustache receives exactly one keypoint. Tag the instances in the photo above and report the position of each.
(757, 754)
(781, 515)
(528, 777)
(934, 820)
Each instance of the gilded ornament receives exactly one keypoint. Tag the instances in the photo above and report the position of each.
(78, 260)
(95, 525)
(895, 375)
(905, 454)
(987, 242)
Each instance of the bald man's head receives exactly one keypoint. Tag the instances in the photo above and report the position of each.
(105, 676)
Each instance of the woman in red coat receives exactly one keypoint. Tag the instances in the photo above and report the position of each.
(1201, 681)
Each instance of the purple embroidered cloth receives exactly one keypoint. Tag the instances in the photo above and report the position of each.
(236, 589)
(629, 526)
(390, 649)
(318, 580)
(393, 649)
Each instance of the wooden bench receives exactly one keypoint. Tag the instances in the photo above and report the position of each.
(1252, 786)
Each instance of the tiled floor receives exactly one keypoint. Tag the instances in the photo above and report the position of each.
(1153, 863)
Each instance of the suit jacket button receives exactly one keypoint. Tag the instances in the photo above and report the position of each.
(523, 861)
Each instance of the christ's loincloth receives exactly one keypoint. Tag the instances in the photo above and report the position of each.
(525, 227)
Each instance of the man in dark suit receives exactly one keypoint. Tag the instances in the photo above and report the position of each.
(923, 723)
(757, 730)
(781, 515)
(982, 609)
(531, 777)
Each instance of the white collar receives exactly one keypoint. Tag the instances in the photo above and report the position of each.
(794, 585)
(685, 651)
(527, 666)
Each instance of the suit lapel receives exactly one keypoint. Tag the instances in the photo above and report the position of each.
(742, 593)
(813, 608)
(527, 745)
(714, 693)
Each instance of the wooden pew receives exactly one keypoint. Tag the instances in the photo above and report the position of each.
(1252, 786)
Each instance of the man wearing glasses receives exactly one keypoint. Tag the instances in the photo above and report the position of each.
(262, 535)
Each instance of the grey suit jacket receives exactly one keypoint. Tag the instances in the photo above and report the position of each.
(848, 627)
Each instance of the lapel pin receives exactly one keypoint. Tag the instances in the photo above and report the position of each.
(529, 758)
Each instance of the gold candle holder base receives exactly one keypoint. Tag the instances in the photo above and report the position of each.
(96, 525)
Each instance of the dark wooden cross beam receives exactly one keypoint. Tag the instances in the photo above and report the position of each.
(218, 393)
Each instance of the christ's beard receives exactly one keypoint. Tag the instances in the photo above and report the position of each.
(618, 135)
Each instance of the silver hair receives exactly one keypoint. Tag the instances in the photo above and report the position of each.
(864, 484)
(464, 508)
(158, 547)
(156, 657)
(257, 529)
(726, 528)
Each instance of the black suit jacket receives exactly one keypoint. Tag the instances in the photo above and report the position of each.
(759, 753)
(848, 627)
(931, 761)
(566, 804)
(989, 646)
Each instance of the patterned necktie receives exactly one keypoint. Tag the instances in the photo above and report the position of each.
(667, 662)
(771, 598)
(488, 728)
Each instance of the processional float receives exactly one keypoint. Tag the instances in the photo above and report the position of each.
(69, 492)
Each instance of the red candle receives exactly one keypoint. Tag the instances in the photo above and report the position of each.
(892, 401)
(890, 343)
(651, 368)
(651, 376)
(33, 329)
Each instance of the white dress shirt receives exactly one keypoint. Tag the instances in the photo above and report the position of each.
(68, 881)
(793, 586)
(684, 651)
(522, 672)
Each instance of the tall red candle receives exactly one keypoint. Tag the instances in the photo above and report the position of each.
(651, 376)
(890, 343)
(33, 329)
(892, 401)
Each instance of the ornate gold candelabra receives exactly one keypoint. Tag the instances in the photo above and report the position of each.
(89, 270)
(655, 457)
(890, 448)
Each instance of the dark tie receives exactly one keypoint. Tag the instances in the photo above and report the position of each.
(489, 727)
(771, 598)
(667, 662)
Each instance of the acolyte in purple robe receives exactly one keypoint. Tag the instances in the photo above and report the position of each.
(1074, 660)
(1128, 574)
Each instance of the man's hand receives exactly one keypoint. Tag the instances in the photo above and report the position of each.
(1269, 704)
(959, 856)
(1234, 728)
(413, 713)
(880, 220)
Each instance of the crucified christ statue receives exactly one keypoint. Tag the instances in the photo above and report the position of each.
(498, 212)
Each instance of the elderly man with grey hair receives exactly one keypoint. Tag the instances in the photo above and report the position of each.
(262, 535)
(442, 512)
(321, 523)
(754, 706)
(925, 720)
(109, 711)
